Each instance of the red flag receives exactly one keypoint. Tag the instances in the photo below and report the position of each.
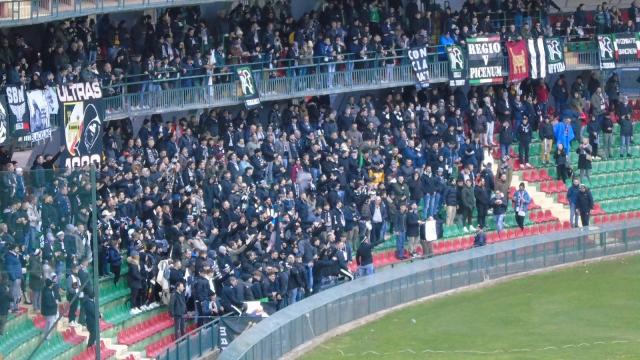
(518, 60)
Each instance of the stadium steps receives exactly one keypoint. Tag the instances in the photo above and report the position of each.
(159, 345)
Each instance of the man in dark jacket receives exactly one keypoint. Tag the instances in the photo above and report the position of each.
(178, 308)
(572, 198)
(400, 229)
(14, 271)
(584, 203)
(413, 230)
(89, 305)
(524, 142)
(626, 132)
(482, 202)
(49, 306)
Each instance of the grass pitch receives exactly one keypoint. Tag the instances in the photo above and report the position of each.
(584, 312)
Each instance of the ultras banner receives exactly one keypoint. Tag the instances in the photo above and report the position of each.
(554, 47)
(83, 113)
(457, 66)
(39, 116)
(4, 122)
(420, 64)
(537, 58)
(518, 60)
(485, 60)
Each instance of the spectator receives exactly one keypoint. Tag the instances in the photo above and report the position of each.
(505, 138)
(178, 309)
(74, 293)
(5, 302)
(563, 133)
(626, 132)
(521, 201)
(482, 195)
(524, 142)
(546, 135)
(607, 130)
(92, 318)
(584, 204)
(480, 239)
(400, 229)
(49, 306)
(499, 206)
(135, 282)
(36, 279)
(572, 198)
(14, 272)
(560, 157)
(467, 205)
(585, 156)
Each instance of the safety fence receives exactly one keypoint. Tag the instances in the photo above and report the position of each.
(314, 316)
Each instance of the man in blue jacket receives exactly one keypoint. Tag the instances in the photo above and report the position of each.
(14, 272)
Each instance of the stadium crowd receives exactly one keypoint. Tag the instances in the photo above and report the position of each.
(228, 208)
(182, 44)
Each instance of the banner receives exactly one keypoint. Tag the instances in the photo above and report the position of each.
(485, 60)
(607, 46)
(627, 47)
(231, 326)
(52, 100)
(39, 119)
(248, 88)
(457, 66)
(4, 123)
(419, 63)
(554, 48)
(83, 114)
(518, 60)
(537, 58)
(16, 99)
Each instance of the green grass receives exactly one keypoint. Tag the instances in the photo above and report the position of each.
(585, 312)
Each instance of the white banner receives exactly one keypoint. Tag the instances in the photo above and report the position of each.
(39, 118)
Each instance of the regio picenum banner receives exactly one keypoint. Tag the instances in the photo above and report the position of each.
(457, 66)
(518, 60)
(419, 57)
(485, 60)
(83, 114)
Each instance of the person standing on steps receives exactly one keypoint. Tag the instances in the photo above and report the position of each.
(524, 142)
(626, 132)
(584, 203)
(572, 198)
(468, 204)
(73, 293)
(521, 201)
(483, 195)
(585, 156)
(49, 306)
(560, 157)
(178, 308)
(89, 305)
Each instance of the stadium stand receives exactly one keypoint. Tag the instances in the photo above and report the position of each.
(277, 203)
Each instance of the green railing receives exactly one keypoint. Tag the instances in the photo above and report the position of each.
(297, 324)
(348, 76)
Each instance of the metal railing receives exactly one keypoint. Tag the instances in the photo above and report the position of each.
(316, 315)
(139, 98)
(26, 12)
